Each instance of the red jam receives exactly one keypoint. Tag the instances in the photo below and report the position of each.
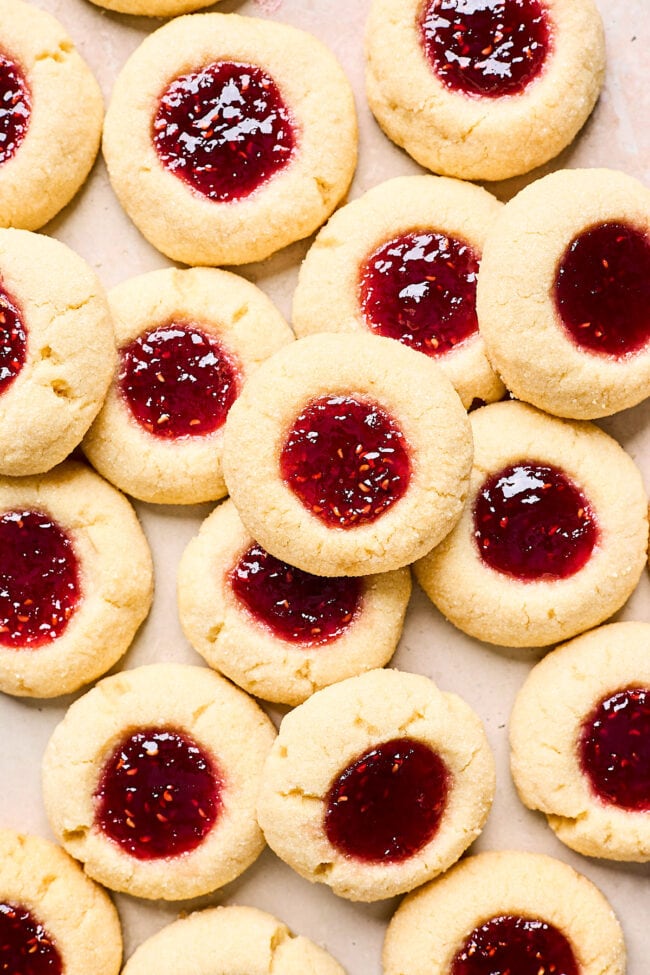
(13, 340)
(15, 108)
(531, 522)
(487, 49)
(387, 804)
(224, 130)
(614, 749)
(159, 794)
(178, 381)
(420, 289)
(602, 290)
(39, 580)
(25, 946)
(346, 460)
(517, 946)
(293, 604)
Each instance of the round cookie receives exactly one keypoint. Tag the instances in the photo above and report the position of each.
(185, 825)
(580, 740)
(187, 341)
(402, 261)
(76, 580)
(552, 540)
(259, 175)
(563, 293)
(52, 917)
(56, 114)
(56, 351)
(280, 633)
(524, 913)
(347, 454)
(483, 91)
(231, 940)
(376, 784)
(154, 8)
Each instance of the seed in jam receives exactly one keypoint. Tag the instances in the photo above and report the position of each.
(614, 749)
(26, 948)
(420, 289)
(225, 130)
(388, 803)
(295, 605)
(531, 522)
(517, 945)
(159, 794)
(346, 460)
(487, 49)
(13, 340)
(39, 580)
(15, 108)
(602, 290)
(178, 381)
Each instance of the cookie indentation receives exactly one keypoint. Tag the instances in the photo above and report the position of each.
(15, 108)
(507, 943)
(13, 335)
(27, 948)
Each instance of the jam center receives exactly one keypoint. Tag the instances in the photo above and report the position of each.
(25, 946)
(531, 522)
(13, 340)
(39, 580)
(178, 381)
(517, 945)
(420, 288)
(488, 48)
(224, 130)
(387, 804)
(346, 460)
(15, 108)
(159, 794)
(293, 604)
(602, 290)
(614, 749)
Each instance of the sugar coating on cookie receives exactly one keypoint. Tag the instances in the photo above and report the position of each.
(483, 91)
(402, 261)
(215, 133)
(507, 911)
(76, 580)
(563, 293)
(553, 537)
(187, 342)
(580, 742)
(151, 781)
(347, 454)
(376, 784)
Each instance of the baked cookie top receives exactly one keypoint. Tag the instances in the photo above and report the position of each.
(216, 133)
(154, 8)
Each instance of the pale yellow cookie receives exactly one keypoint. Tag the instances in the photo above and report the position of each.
(154, 8)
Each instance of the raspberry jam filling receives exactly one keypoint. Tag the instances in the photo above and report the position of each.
(13, 340)
(39, 580)
(346, 460)
(25, 946)
(225, 130)
(531, 522)
(15, 108)
(602, 290)
(515, 945)
(159, 794)
(489, 49)
(293, 604)
(178, 381)
(420, 289)
(614, 749)
(387, 804)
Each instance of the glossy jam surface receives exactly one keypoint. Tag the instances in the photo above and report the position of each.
(346, 460)
(39, 580)
(293, 604)
(486, 48)
(516, 946)
(178, 381)
(25, 946)
(225, 130)
(159, 794)
(15, 108)
(421, 290)
(13, 340)
(602, 290)
(614, 749)
(387, 804)
(531, 522)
